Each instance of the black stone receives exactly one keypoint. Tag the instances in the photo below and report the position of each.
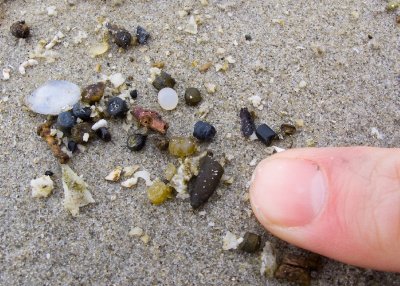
(123, 38)
(20, 30)
(72, 146)
(164, 80)
(103, 134)
(117, 107)
(136, 142)
(81, 112)
(134, 94)
(49, 173)
(265, 134)
(247, 123)
(204, 131)
(142, 35)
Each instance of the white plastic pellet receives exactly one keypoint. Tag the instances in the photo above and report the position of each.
(168, 98)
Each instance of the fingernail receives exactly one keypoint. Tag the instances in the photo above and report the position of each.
(288, 192)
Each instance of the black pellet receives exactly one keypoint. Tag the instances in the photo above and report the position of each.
(206, 182)
(265, 134)
(247, 122)
(122, 38)
(72, 146)
(103, 134)
(164, 80)
(134, 94)
(136, 142)
(81, 112)
(251, 242)
(117, 107)
(142, 35)
(204, 131)
(49, 173)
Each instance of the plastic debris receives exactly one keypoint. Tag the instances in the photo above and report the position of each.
(76, 193)
(268, 261)
(42, 187)
(191, 27)
(100, 124)
(265, 134)
(44, 131)
(150, 119)
(247, 123)
(168, 98)
(231, 241)
(133, 181)
(53, 97)
(159, 192)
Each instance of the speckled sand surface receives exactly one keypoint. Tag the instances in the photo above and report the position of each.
(351, 88)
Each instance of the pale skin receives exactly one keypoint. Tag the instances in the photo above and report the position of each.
(343, 203)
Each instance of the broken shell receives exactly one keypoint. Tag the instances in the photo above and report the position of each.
(98, 49)
(206, 182)
(150, 119)
(76, 194)
(230, 241)
(54, 97)
(268, 260)
(133, 181)
(288, 129)
(114, 175)
(42, 187)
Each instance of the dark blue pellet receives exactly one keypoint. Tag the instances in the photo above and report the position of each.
(142, 35)
(265, 134)
(66, 120)
(204, 131)
(72, 146)
(103, 134)
(81, 112)
(117, 107)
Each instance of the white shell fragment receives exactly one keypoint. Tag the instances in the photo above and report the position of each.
(99, 124)
(129, 170)
(25, 64)
(6, 73)
(268, 261)
(168, 98)
(136, 231)
(54, 97)
(230, 241)
(133, 181)
(76, 194)
(42, 187)
(114, 175)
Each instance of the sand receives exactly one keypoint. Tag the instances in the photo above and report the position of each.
(333, 64)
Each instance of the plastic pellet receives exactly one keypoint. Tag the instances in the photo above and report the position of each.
(117, 107)
(206, 182)
(247, 123)
(66, 120)
(142, 35)
(265, 134)
(136, 142)
(168, 98)
(204, 131)
(93, 93)
(182, 146)
(192, 96)
(81, 112)
(159, 192)
(103, 134)
(251, 242)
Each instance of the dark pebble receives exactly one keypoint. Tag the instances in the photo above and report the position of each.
(81, 112)
(247, 122)
(49, 173)
(123, 38)
(295, 274)
(248, 37)
(79, 130)
(251, 242)
(66, 120)
(265, 134)
(117, 107)
(134, 94)
(20, 30)
(206, 182)
(93, 93)
(142, 35)
(136, 142)
(72, 146)
(103, 134)
(192, 96)
(161, 143)
(164, 80)
(204, 131)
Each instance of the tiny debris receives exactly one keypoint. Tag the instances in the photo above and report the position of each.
(256, 102)
(311, 142)
(136, 142)
(168, 98)
(76, 193)
(117, 79)
(51, 11)
(268, 261)
(99, 49)
(247, 123)
(145, 239)
(103, 134)
(6, 73)
(42, 187)
(191, 27)
(207, 181)
(169, 172)
(182, 146)
(81, 112)
(265, 134)
(133, 181)
(100, 124)
(79, 131)
(114, 175)
(49, 173)
(392, 6)
(161, 142)
(44, 131)
(302, 84)
(56, 40)
(136, 232)
(299, 123)
(205, 67)
(122, 38)
(251, 242)
(65, 121)
(93, 93)
(253, 162)
(129, 170)
(375, 132)
(230, 241)
(20, 30)
(288, 129)
(25, 64)
(192, 96)
(210, 87)
(150, 119)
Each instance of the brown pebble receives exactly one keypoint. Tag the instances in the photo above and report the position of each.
(288, 129)
(20, 30)
(291, 273)
(93, 93)
(161, 142)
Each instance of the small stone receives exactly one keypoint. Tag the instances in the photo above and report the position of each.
(117, 107)
(293, 274)
(248, 37)
(81, 111)
(168, 98)
(268, 261)
(72, 146)
(204, 131)
(230, 241)
(161, 142)
(85, 137)
(251, 242)
(20, 30)
(205, 67)
(122, 38)
(145, 238)
(192, 96)
(302, 84)
(103, 134)
(142, 35)
(79, 130)
(136, 232)
(191, 27)
(99, 124)
(164, 80)
(299, 123)
(114, 175)
(265, 134)
(211, 88)
(136, 142)
(129, 170)
(93, 93)
(65, 121)
(133, 94)
(247, 122)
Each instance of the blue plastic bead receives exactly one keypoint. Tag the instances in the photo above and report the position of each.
(204, 131)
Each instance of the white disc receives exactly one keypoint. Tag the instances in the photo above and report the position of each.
(168, 98)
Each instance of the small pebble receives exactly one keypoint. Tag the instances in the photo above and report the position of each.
(265, 134)
(251, 242)
(123, 38)
(164, 80)
(204, 131)
(161, 142)
(168, 98)
(93, 93)
(20, 30)
(159, 192)
(133, 94)
(49, 173)
(182, 146)
(117, 107)
(248, 37)
(136, 142)
(192, 96)
(65, 121)
(103, 134)
(81, 112)
(142, 35)
(247, 123)
(79, 130)
(72, 146)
